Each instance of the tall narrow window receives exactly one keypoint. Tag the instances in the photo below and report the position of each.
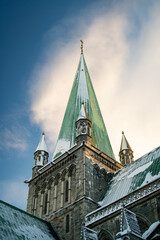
(45, 204)
(33, 205)
(67, 223)
(66, 191)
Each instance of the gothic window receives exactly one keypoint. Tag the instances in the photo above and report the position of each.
(66, 191)
(44, 160)
(45, 203)
(71, 183)
(143, 224)
(35, 161)
(83, 127)
(67, 223)
(104, 235)
(33, 207)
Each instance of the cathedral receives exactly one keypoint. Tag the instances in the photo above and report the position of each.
(84, 192)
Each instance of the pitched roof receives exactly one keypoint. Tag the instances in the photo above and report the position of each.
(17, 224)
(83, 92)
(88, 233)
(42, 144)
(129, 222)
(135, 175)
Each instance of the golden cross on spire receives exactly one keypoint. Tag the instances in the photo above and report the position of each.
(81, 46)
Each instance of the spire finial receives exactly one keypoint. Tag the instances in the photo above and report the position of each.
(43, 133)
(122, 132)
(81, 46)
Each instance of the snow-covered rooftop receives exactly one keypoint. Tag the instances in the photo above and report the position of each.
(135, 175)
(129, 222)
(18, 224)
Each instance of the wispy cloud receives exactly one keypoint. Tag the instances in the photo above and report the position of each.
(122, 51)
(14, 192)
(14, 138)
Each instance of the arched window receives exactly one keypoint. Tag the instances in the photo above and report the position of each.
(143, 224)
(33, 207)
(104, 235)
(45, 204)
(67, 223)
(66, 190)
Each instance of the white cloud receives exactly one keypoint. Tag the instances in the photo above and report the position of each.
(124, 71)
(138, 96)
(14, 192)
(14, 138)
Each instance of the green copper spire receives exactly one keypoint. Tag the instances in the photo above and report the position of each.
(83, 92)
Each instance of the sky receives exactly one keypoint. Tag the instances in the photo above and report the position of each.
(40, 51)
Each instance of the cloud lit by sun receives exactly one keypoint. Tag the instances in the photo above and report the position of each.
(123, 61)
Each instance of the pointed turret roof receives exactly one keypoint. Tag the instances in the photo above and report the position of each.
(124, 143)
(83, 113)
(83, 92)
(42, 144)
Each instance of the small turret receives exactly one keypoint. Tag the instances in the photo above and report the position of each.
(125, 153)
(41, 155)
(83, 127)
(129, 226)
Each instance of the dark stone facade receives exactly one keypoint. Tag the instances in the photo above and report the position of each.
(146, 210)
(63, 192)
(66, 190)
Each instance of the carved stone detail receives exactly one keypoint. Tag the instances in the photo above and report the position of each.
(129, 199)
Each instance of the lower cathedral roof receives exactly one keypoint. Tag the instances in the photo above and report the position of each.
(18, 224)
(137, 174)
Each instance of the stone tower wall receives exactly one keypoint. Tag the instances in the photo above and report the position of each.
(68, 190)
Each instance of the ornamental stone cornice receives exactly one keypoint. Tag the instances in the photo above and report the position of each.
(126, 201)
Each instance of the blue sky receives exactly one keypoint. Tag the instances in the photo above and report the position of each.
(40, 50)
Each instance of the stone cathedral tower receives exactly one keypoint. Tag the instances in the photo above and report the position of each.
(64, 190)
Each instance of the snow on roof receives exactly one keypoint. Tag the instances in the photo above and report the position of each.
(82, 114)
(135, 175)
(129, 222)
(42, 144)
(89, 234)
(18, 224)
(151, 229)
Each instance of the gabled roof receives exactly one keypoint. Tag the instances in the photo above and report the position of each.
(83, 92)
(135, 175)
(88, 233)
(17, 224)
(42, 144)
(129, 222)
